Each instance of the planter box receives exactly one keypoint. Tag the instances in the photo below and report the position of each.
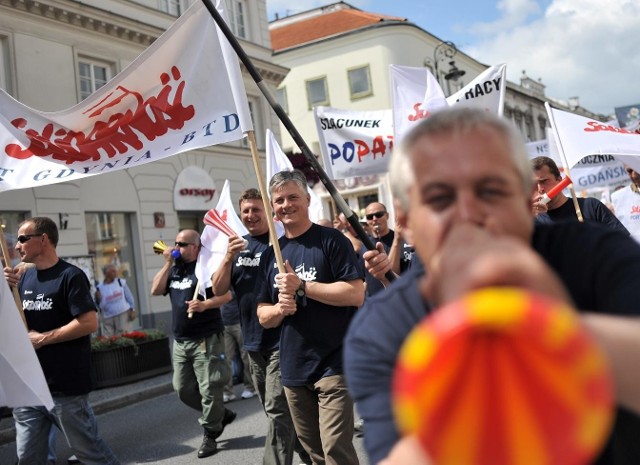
(123, 365)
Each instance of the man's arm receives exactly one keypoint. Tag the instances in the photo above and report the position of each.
(618, 336)
(395, 252)
(221, 279)
(271, 316)
(199, 306)
(159, 283)
(83, 324)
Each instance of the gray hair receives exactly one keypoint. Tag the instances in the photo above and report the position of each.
(456, 121)
(280, 179)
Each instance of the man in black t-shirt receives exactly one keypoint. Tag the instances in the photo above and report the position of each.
(60, 315)
(239, 270)
(472, 227)
(200, 370)
(313, 300)
(546, 177)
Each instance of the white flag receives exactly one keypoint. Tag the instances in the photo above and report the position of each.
(579, 137)
(277, 161)
(184, 92)
(215, 242)
(415, 94)
(486, 91)
(354, 143)
(22, 383)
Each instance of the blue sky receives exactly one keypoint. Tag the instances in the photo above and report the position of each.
(584, 48)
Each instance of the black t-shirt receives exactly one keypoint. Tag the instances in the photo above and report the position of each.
(406, 253)
(230, 312)
(600, 268)
(181, 286)
(311, 339)
(243, 281)
(52, 298)
(592, 211)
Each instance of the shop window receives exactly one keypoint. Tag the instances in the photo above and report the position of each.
(109, 241)
(190, 220)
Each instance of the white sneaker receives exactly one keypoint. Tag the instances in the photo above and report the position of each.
(228, 397)
(246, 394)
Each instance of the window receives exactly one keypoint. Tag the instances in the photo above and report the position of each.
(92, 76)
(108, 240)
(256, 117)
(317, 93)
(9, 222)
(170, 6)
(4, 63)
(359, 82)
(236, 16)
(281, 97)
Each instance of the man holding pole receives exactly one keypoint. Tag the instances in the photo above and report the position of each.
(314, 301)
(60, 315)
(200, 371)
(238, 271)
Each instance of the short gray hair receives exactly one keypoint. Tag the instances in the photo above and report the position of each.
(455, 121)
(280, 179)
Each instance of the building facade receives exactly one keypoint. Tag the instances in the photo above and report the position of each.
(339, 56)
(54, 54)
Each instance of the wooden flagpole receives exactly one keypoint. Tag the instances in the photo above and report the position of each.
(14, 290)
(564, 160)
(265, 200)
(295, 135)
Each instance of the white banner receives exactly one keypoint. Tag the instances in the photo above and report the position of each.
(22, 382)
(580, 137)
(277, 161)
(415, 94)
(592, 171)
(215, 242)
(354, 143)
(486, 91)
(184, 92)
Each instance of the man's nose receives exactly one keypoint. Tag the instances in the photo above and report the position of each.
(469, 209)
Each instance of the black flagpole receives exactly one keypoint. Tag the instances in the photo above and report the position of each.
(288, 124)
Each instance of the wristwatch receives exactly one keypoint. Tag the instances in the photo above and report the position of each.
(301, 292)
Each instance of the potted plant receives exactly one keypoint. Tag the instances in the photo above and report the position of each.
(129, 357)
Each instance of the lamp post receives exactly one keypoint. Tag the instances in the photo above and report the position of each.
(445, 50)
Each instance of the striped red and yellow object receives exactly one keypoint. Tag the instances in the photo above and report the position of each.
(504, 376)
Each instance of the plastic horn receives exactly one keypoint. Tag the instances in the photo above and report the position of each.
(213, 219)
(504, 376)
(548, 196)
(159, 246)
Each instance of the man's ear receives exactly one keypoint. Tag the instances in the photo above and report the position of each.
(402, 220)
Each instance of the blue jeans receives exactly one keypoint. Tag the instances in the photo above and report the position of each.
(74, 417)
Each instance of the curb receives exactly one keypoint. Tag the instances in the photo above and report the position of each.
(8, 431)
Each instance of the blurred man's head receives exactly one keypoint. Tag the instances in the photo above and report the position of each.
(633, 175)
(110, 273)
(377, 219)
(462, 166)
(546, 176)
(188, 243)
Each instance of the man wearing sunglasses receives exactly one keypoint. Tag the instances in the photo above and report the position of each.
(626, 203)
(399, 252)
(200, 370)
(61, 316)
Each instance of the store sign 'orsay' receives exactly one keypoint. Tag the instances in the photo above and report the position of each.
(194, 190)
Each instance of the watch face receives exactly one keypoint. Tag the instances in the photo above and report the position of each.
(300, 292)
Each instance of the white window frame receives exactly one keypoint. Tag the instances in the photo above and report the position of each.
(237, 16)
(361, 94)
(257, 118)
(5, 63)
(94, 84)
(326, 100)
(172, 7)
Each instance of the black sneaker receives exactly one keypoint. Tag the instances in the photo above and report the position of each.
(209, 445)
(229, 416)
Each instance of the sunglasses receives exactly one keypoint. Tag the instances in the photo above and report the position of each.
(22, 238)
(183, 244)
(376, 214)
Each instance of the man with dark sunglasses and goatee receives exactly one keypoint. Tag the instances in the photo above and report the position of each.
(200, 370)
(60, 315)
(388, 241)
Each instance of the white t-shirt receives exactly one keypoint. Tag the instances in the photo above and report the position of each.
(627, 208)
(115, 298)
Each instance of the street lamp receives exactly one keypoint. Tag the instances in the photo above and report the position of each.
(445, 51)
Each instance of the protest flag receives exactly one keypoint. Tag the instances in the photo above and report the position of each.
(22, 382)
(486, 91)
(182, 93)
(214, 241)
